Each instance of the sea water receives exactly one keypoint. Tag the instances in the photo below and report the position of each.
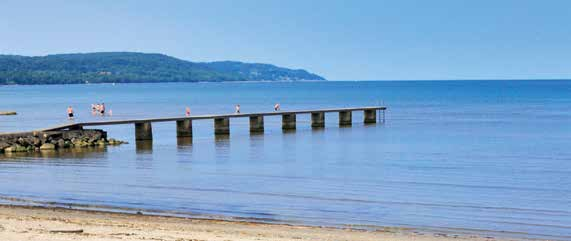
(466, 156)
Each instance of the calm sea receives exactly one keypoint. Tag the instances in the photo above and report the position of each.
(467, 156)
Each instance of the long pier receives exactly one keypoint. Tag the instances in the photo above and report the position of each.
(143, 127)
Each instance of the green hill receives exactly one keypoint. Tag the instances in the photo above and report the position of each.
(129, 67)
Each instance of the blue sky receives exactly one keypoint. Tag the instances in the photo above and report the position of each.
(341, 40)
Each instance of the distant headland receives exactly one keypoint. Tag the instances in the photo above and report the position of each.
(132, 67)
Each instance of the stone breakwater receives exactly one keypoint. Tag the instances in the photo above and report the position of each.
(52, 140)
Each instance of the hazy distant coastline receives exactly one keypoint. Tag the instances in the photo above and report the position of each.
(132, 67)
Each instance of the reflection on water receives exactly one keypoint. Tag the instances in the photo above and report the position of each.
(256, 143)
(68, 153)
(144, 147)
(316, 130)
(222, 147)
(288, 131)
(221, 138)
(257, 134)
(184, 142)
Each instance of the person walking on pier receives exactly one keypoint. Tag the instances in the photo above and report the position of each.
(69, 113)
(238, 109)
(187, 111)
(277, 107)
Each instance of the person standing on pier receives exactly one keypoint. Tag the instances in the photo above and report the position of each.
(277, 107)
(97, 110)
(69, 113)
(238, 109)
(187, 111)
(102, 109)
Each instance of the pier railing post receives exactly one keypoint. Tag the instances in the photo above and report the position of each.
(184, 128)
(143, 131)
(222, 126)
(288, 121)
(370, 116)
(256, 123)
(345, 118)
(317, 119)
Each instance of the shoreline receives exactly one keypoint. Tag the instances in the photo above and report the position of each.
(19, 222)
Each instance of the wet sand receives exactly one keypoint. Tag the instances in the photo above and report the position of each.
(40, 223)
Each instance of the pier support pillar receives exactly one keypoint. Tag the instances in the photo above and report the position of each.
(317, 119)
(288, 121)
(370, 116)
(222, 126)
(143, 131)
(184, 128)
(345, 118)
(256, 123)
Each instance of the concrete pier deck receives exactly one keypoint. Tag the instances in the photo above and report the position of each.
(143, 127)
(204, 117)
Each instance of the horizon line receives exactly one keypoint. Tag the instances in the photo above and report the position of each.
(499, 79)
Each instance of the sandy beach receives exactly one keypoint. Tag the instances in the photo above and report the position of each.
(39, 223)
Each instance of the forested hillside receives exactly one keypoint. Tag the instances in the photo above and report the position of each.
(129, 67)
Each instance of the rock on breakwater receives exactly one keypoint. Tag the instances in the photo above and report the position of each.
(52, 140)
